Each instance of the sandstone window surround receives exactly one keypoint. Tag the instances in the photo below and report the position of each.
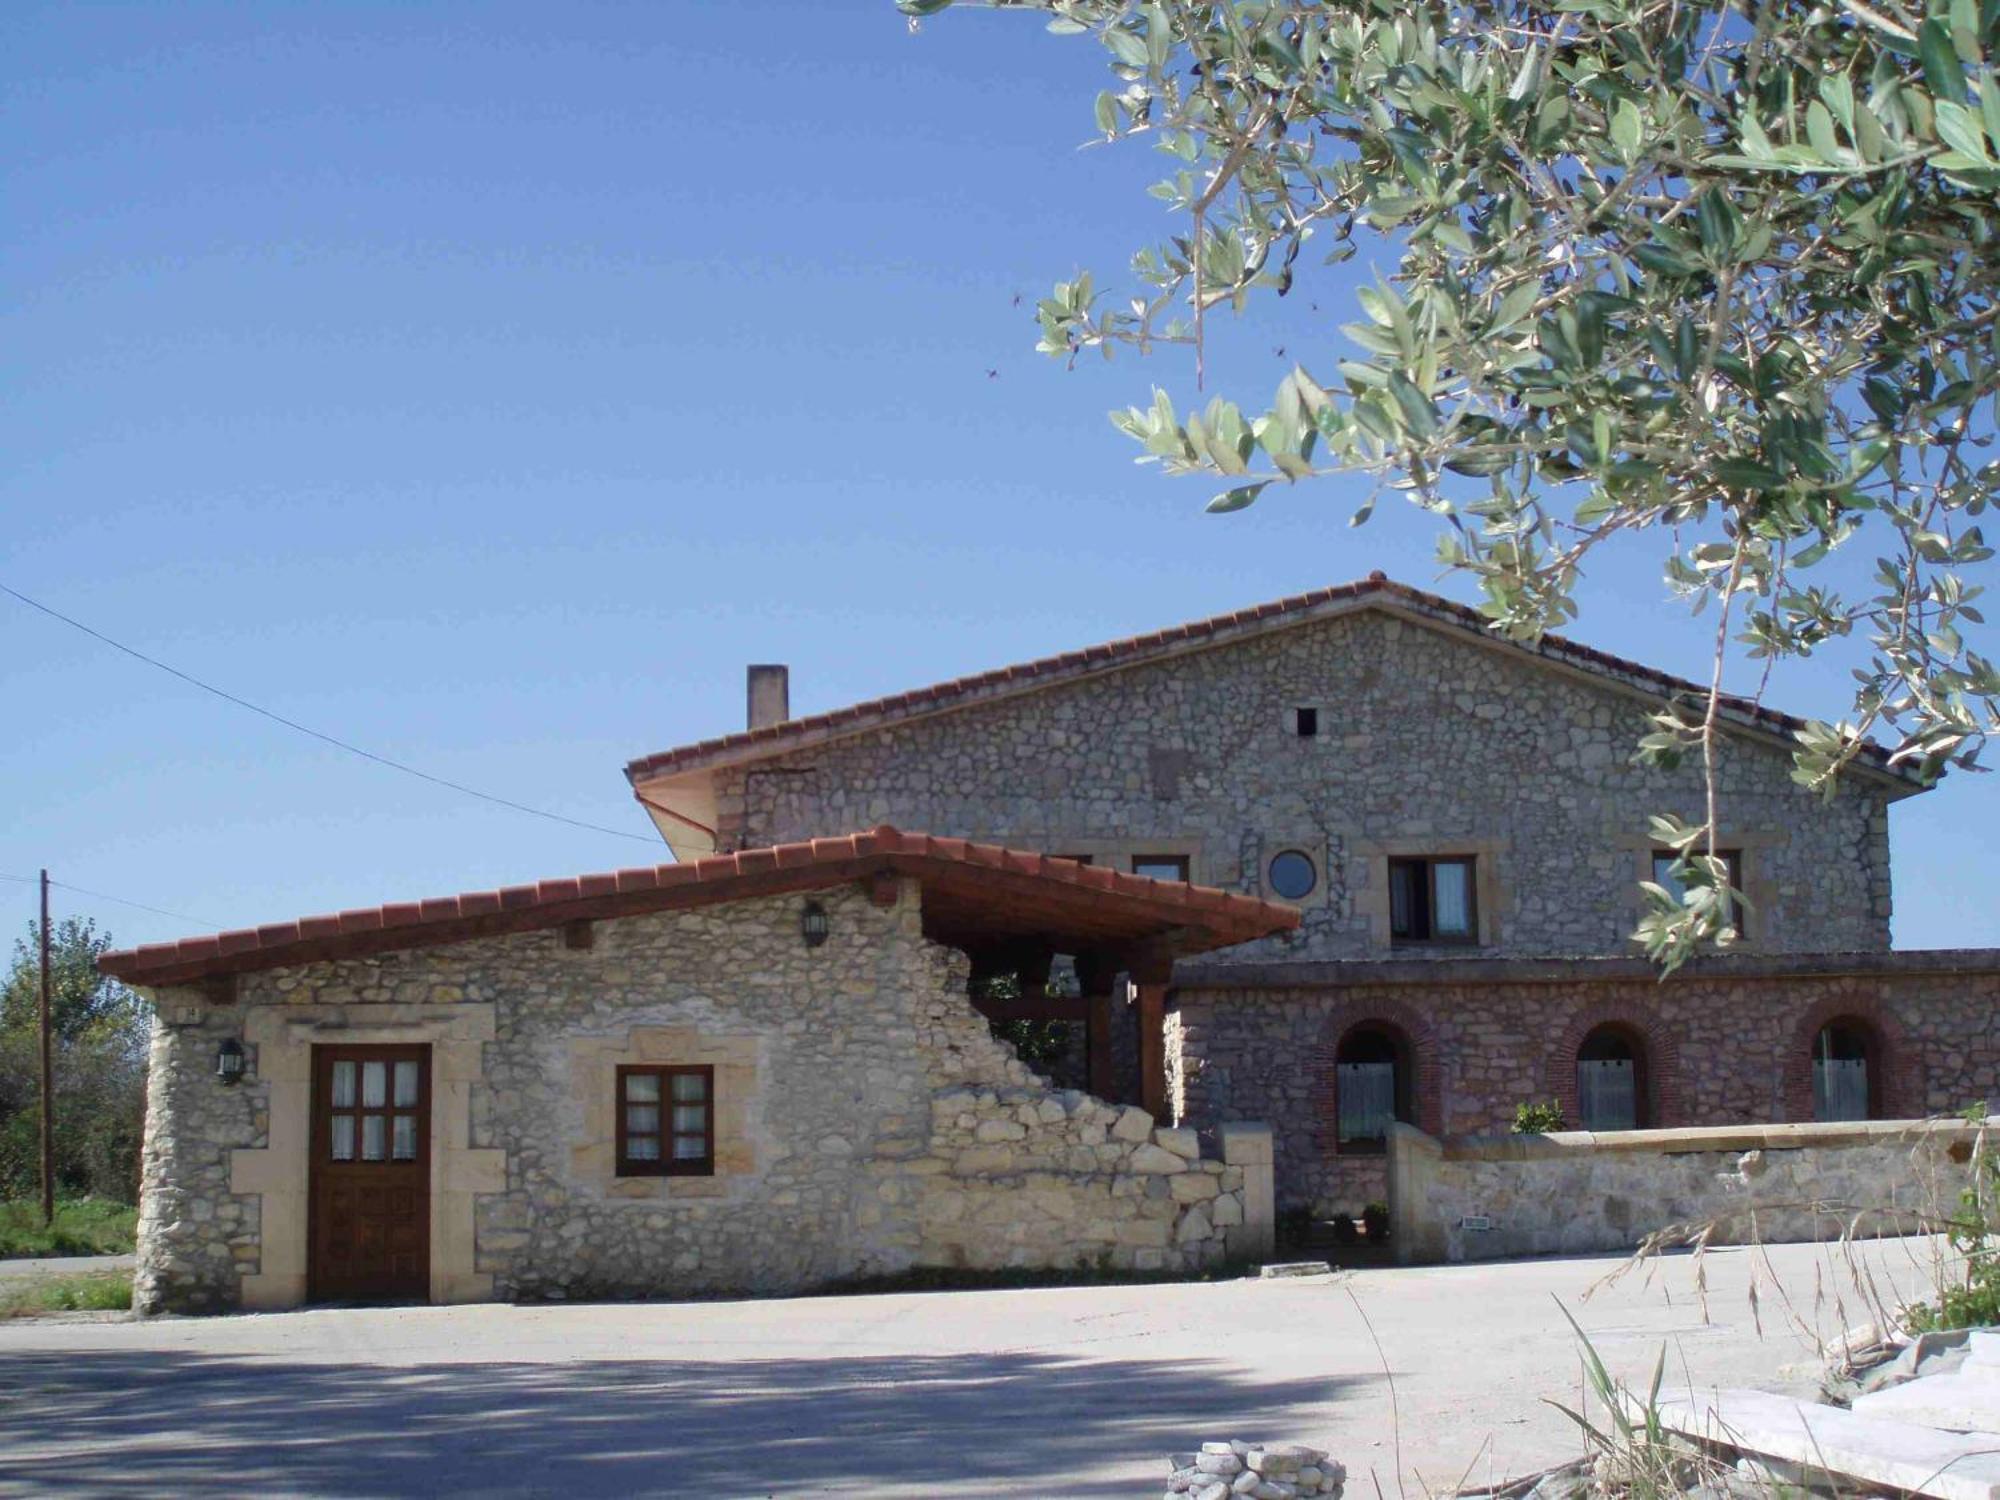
(1260, 877)
(733, 1073)
(282, 1038)
(1752, 873)
(1491, 895)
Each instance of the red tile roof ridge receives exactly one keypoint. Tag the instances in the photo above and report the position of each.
(747, 744)
(883, 841)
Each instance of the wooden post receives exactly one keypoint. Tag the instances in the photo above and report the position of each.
(1103, 1077)
(1153, 1050)
(48, 1076)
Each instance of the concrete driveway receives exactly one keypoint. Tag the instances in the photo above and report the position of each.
(957, 1394)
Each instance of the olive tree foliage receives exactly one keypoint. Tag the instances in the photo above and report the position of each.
(1724, 272)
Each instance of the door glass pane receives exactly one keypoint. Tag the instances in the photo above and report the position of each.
(1451, 898)
(642, 1088)
(642, 1147)
(1367, 1099)
(343, 1137)
(406, 1085)
(372, 1135)
(691, 1117)
(1607, 1094)
(642, 1119)
(343, 1085)
(690, 1086)
(403, 1143)
(374, 1085)
(1840, 1088)
(690, 1147)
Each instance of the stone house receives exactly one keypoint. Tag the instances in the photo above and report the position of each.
(753, 1072)
(1458, 823)
(1247, 892)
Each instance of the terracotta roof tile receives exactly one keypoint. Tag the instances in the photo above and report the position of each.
(1223, 917)
(774, 738)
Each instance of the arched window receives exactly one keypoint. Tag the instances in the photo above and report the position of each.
(1611, 1080)
(1371, 1085)
(1845, 1085)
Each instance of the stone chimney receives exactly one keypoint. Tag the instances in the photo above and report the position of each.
(770, 695)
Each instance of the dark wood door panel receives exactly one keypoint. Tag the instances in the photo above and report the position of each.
(369, 1219)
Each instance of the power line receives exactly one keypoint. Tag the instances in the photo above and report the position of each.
(82, 890)
(338, 744)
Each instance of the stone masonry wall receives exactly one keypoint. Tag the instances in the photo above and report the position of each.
(1574, 1193)
(1427, 743)
(1717, 1051)
(867, 1121)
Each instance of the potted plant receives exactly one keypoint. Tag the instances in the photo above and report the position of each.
(1344, 1230)
(1375, 1222)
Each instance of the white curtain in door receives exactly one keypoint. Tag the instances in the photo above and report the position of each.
(1840, 1088)
(1607, 1094)
(1367, 1093)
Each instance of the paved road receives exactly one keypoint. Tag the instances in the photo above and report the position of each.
(967, 1394)
(22, 1269)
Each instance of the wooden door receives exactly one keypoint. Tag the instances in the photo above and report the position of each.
(370, 1222)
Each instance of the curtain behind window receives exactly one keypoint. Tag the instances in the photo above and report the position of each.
(1367, 1094)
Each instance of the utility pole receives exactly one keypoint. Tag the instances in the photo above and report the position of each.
(48, 1076)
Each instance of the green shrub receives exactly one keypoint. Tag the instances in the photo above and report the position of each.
(1973, 1301)
(100, 1291)
(83, 1226)
(1535, 1118)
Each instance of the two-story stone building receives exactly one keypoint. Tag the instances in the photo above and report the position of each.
(1458, 821)
(1326, 863)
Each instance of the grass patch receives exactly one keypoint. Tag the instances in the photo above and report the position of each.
(94, 1291)
(83, 1226)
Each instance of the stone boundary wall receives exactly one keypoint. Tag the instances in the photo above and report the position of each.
(1490, 1197)
(1720, 1048)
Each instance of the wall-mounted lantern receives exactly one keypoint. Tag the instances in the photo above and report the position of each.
(229, 1060)
(813, 924)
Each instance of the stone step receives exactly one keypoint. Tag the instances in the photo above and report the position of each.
(1967, 1400)
(1875, 1450)
(1984, 1347)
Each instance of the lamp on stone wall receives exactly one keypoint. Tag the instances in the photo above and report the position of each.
(813, 924)
(229, 1060)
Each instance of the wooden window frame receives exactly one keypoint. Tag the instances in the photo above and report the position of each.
(1431, 937)
(1181, 860)
(665, 1165)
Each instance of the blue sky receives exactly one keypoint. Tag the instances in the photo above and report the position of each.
(486, 385)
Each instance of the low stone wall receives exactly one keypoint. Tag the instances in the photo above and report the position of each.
(1488, 1197)
(1726, 1040)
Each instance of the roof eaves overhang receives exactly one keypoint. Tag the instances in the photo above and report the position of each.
(1097, 905)
(689, 764)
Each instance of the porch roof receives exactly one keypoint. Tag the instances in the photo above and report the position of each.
(975, 896)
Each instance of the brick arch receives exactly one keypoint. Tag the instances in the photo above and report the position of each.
(1893, 1089)
(1426, 1069)
(1659, 1062)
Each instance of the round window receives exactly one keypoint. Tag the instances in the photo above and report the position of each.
(1293, 876)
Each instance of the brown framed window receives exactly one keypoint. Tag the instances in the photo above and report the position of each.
(1433, 900)
(666, 1121)
(1161, 866)
(1664, 861)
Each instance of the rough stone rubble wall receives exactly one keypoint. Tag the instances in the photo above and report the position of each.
(1427, 741)
(880, 1125)
(1574, 1192)
(1720, 1051)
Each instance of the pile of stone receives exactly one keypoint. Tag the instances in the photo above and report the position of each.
(1253, 1471)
